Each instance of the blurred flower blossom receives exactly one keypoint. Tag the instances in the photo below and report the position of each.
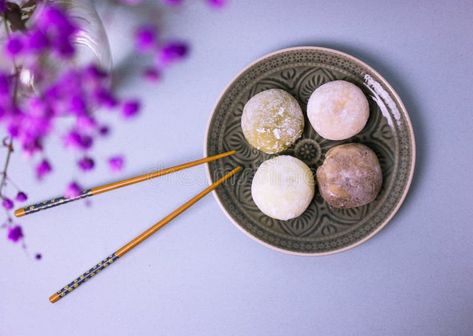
(7, 203)
(145, 38)
(86, 163)
(171, 52)
(116, 163)
(73, 190)
(42, 48)
(217, 3)
(43, 169)
(14, 45)
(15, 233)
(152, 74)
(130, 108)
(173, 2)
(131, 2)
(104, 130)
(21, 196)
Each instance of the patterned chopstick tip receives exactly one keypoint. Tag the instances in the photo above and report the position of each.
(51, 203)
(83, 278)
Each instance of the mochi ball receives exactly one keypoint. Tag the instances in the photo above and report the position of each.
(272, 121)
(283, 187)
(350, 176)
(338, 110)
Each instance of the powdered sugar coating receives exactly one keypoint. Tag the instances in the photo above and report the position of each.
(272, 121)
(283, 187)
(338, 110)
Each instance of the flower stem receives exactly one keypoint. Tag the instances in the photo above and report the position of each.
(3, 183)
(9, 141)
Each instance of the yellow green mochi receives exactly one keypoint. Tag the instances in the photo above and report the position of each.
(272, 121)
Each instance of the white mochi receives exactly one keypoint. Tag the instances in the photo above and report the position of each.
(283, 187)
(338, 110)
(272, 121)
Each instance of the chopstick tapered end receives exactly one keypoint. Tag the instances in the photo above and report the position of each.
(54, 298)
(20, 212)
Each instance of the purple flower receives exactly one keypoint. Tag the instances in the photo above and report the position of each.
(43, 169)
(78, 105)
(14, 45)
(105, 98)
(73, 190)
(21, 196)
(152, 74)
(130, 108)
(37, 41)
(86, 142)
(37, 107)
(7, 203)
(57, 25)
(15, 233)
(173, 2)
(95, 73)
(131, 2)
(55, 18)
(145, 38)
(172, 52)
(73, 139)
(216, 3)
(66, 90)
(13, 130)
(77, 140)
(4, 85)
(64, 47)
(86, 122)
(31, 145)
(33, 127)
(86, 163)
(104, 130)
(116, 163)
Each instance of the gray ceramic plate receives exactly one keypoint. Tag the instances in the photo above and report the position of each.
(320, 229)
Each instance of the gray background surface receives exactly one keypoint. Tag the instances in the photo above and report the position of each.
(202, 276)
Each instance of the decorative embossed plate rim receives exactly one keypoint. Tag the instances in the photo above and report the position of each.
(399, 104)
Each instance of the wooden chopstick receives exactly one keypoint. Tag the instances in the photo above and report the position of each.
(137, 240)
(115, 185)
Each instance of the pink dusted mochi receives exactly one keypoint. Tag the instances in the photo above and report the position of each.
(338, 110)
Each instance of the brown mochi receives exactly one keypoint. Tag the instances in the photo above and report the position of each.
(350, 176)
